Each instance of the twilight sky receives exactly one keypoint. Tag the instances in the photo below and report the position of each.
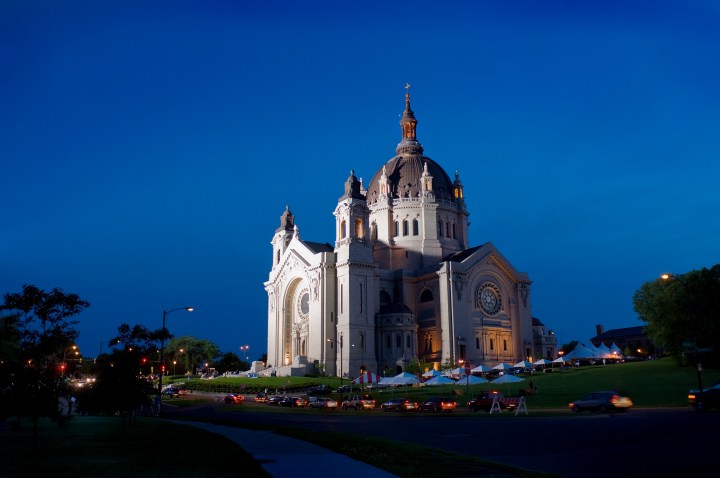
(147, 149)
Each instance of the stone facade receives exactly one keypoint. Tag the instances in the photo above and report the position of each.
(400, 281)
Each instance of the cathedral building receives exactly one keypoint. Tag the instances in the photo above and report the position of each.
(399, 282)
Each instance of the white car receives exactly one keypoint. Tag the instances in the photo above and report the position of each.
(323, 402)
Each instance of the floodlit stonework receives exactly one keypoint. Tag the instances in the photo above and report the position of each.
(399, 282)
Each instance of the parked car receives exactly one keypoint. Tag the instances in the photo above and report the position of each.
(294, 402)
(359, 402)
(348, 388)
(324, 402)
(320, 390)
(400, 405)
(234, 398)
(261, 398)
(275, 400)
(171, 392)
(485, 400)
(438, 404)
(601, 402)
(707, 399)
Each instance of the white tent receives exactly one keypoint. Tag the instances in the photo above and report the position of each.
(502, 366)
(507, 378)
(542, 361)
(440, 380)
(471, 380)
(614, 349)
(561, 360)
(403, 378)
(523, 364)
(456, 372)
(480, 369)
(431, 373)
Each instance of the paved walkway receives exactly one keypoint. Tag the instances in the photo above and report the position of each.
(283, 456)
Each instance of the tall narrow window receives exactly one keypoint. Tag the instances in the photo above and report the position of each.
(405, 228)
(361, 298)
(398, 341)
(343, 226)
(359, 228)
(477, 343)
(454, 232)
(388, 342)
(416, 227)
(504, 345)
(397, 228)
(447, 229)
(407, 341)
(492, 344)
(439, 228)
(342, 297)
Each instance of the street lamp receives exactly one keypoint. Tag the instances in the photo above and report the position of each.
(162, 346)
(340, 342)
(693, 322)
(245, 348)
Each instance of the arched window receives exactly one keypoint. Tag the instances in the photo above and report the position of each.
(397, 228)
(398, 341)
(373, 231)
(388, 342)
(477, 343)
(447, 229)
(440, 229)
(416, 227)
(492, 344)
(343, 226)
(405, 228)
(359, 230)
(426, 296)
(385, 298)
(505, 345)
(407, 341)
(454, 232)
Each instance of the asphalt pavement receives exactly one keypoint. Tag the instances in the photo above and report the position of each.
(283, 456)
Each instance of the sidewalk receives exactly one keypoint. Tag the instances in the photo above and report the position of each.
(282, 456)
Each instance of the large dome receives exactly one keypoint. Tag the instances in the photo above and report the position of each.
(404, 172)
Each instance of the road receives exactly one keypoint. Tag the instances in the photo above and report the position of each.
(642, 442)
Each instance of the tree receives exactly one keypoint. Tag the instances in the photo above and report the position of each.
(231, 362)
(681, 313)
(190, 352)
(37, 328)
(417, 367)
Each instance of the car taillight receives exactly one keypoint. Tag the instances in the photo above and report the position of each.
(614, 399)
(691, 396)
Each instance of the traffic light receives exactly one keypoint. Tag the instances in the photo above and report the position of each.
(144, 360)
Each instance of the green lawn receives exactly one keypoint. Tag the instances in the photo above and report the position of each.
(95, 446)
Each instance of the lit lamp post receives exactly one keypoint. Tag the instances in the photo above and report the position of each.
(340, 342)
(245, 348)
(162, 347)
(693, 323)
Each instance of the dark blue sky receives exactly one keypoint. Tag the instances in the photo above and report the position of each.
(147, 149)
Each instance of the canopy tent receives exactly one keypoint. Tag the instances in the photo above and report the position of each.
(561, 360)
(440, 380)
(507, 378)
(481, 369)
(403, 378)
(502, 366)
(367, 377)
(456, 372)
(471, 380)
(523, 364)
(431, 373)
(581, 352)
(542, 362)
(614, 349)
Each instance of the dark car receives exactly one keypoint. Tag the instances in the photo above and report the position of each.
(234, 398)
(707, 399)
(325, 403)
(438, 404)
(261, 398)
(275, 400)
(348, 389)
(601, 402)
(294, 402)
(171, 392)
(485, 400)
(359, 402)
(400, 405)
(320, 390)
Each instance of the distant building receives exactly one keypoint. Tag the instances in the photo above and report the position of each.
(631, 340)
(399, 282)
(544, 341)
